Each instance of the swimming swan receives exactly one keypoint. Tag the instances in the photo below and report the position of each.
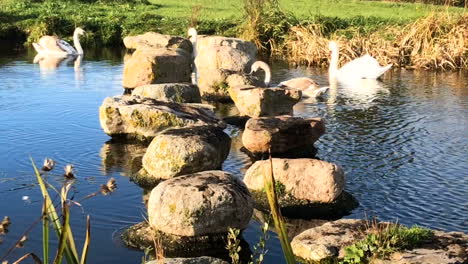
(53, 46)
(365, 67)
(308, 86)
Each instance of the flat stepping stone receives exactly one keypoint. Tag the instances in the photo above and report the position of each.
(143, 118)
(170, 92)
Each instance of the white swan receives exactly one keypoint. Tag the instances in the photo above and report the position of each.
(365, 67)
(53, 46)
(192, 33)
(308, 86)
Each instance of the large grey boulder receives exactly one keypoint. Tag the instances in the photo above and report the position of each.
(150, 66)
(304, 179)
(156, 41)
(170, 92)
(257, 102)
(202, 203)
(142, 118)
(328, 240)
(282, 134)
(241, 79)
(218, 58)
(182, 151)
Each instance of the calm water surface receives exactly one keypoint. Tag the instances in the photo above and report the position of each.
(403, 144)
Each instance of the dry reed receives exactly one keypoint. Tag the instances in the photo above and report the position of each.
(438, 41)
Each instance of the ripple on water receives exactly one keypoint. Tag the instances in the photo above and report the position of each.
(402, 144)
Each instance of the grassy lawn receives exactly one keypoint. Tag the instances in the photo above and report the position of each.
(109, 22)
(303, 9)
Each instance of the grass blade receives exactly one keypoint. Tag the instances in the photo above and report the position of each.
(276, 213)
(70, 249)
(84, 252)
(45, 234)
(64, 235)
(36, 259)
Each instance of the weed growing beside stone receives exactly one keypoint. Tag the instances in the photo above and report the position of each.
(384, 239)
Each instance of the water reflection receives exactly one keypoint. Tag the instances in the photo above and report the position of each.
(402, 143)
(122, 156)
(49, 64)
(364, 90)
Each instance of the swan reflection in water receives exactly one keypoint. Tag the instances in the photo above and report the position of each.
(360, 93)
(362, 89)
(49, 64)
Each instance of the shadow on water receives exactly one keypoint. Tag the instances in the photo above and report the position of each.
(402, 143)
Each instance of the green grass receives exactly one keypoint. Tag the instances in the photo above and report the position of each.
(109, 21)
(384, 241)
(303, 9)
(403, 12)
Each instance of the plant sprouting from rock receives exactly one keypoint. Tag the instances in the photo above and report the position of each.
(384, 239)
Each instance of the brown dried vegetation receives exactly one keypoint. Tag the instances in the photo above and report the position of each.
(439, 41)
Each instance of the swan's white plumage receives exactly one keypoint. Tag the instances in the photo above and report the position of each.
(193, 35)
(262, 65)
(365, 67)
(55, 47)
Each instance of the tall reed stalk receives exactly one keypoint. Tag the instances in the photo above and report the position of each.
(62, 229)
(276, 214)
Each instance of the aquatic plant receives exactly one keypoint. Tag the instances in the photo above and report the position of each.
(259, 249)
(280, 225)
(59, 218)
(233, 245)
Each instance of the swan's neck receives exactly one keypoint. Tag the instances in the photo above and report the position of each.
(267, 71)
(193, 39)
(333, 69)
(267, 76)
(76, 42)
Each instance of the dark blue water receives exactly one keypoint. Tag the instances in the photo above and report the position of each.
(403, 144)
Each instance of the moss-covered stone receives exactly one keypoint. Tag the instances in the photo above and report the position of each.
(143, 118)
(258, 101)
(170, 92)
(143, 179)
(199, 204)
(182, 151)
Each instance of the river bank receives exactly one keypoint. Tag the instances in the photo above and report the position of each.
(282, 28)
